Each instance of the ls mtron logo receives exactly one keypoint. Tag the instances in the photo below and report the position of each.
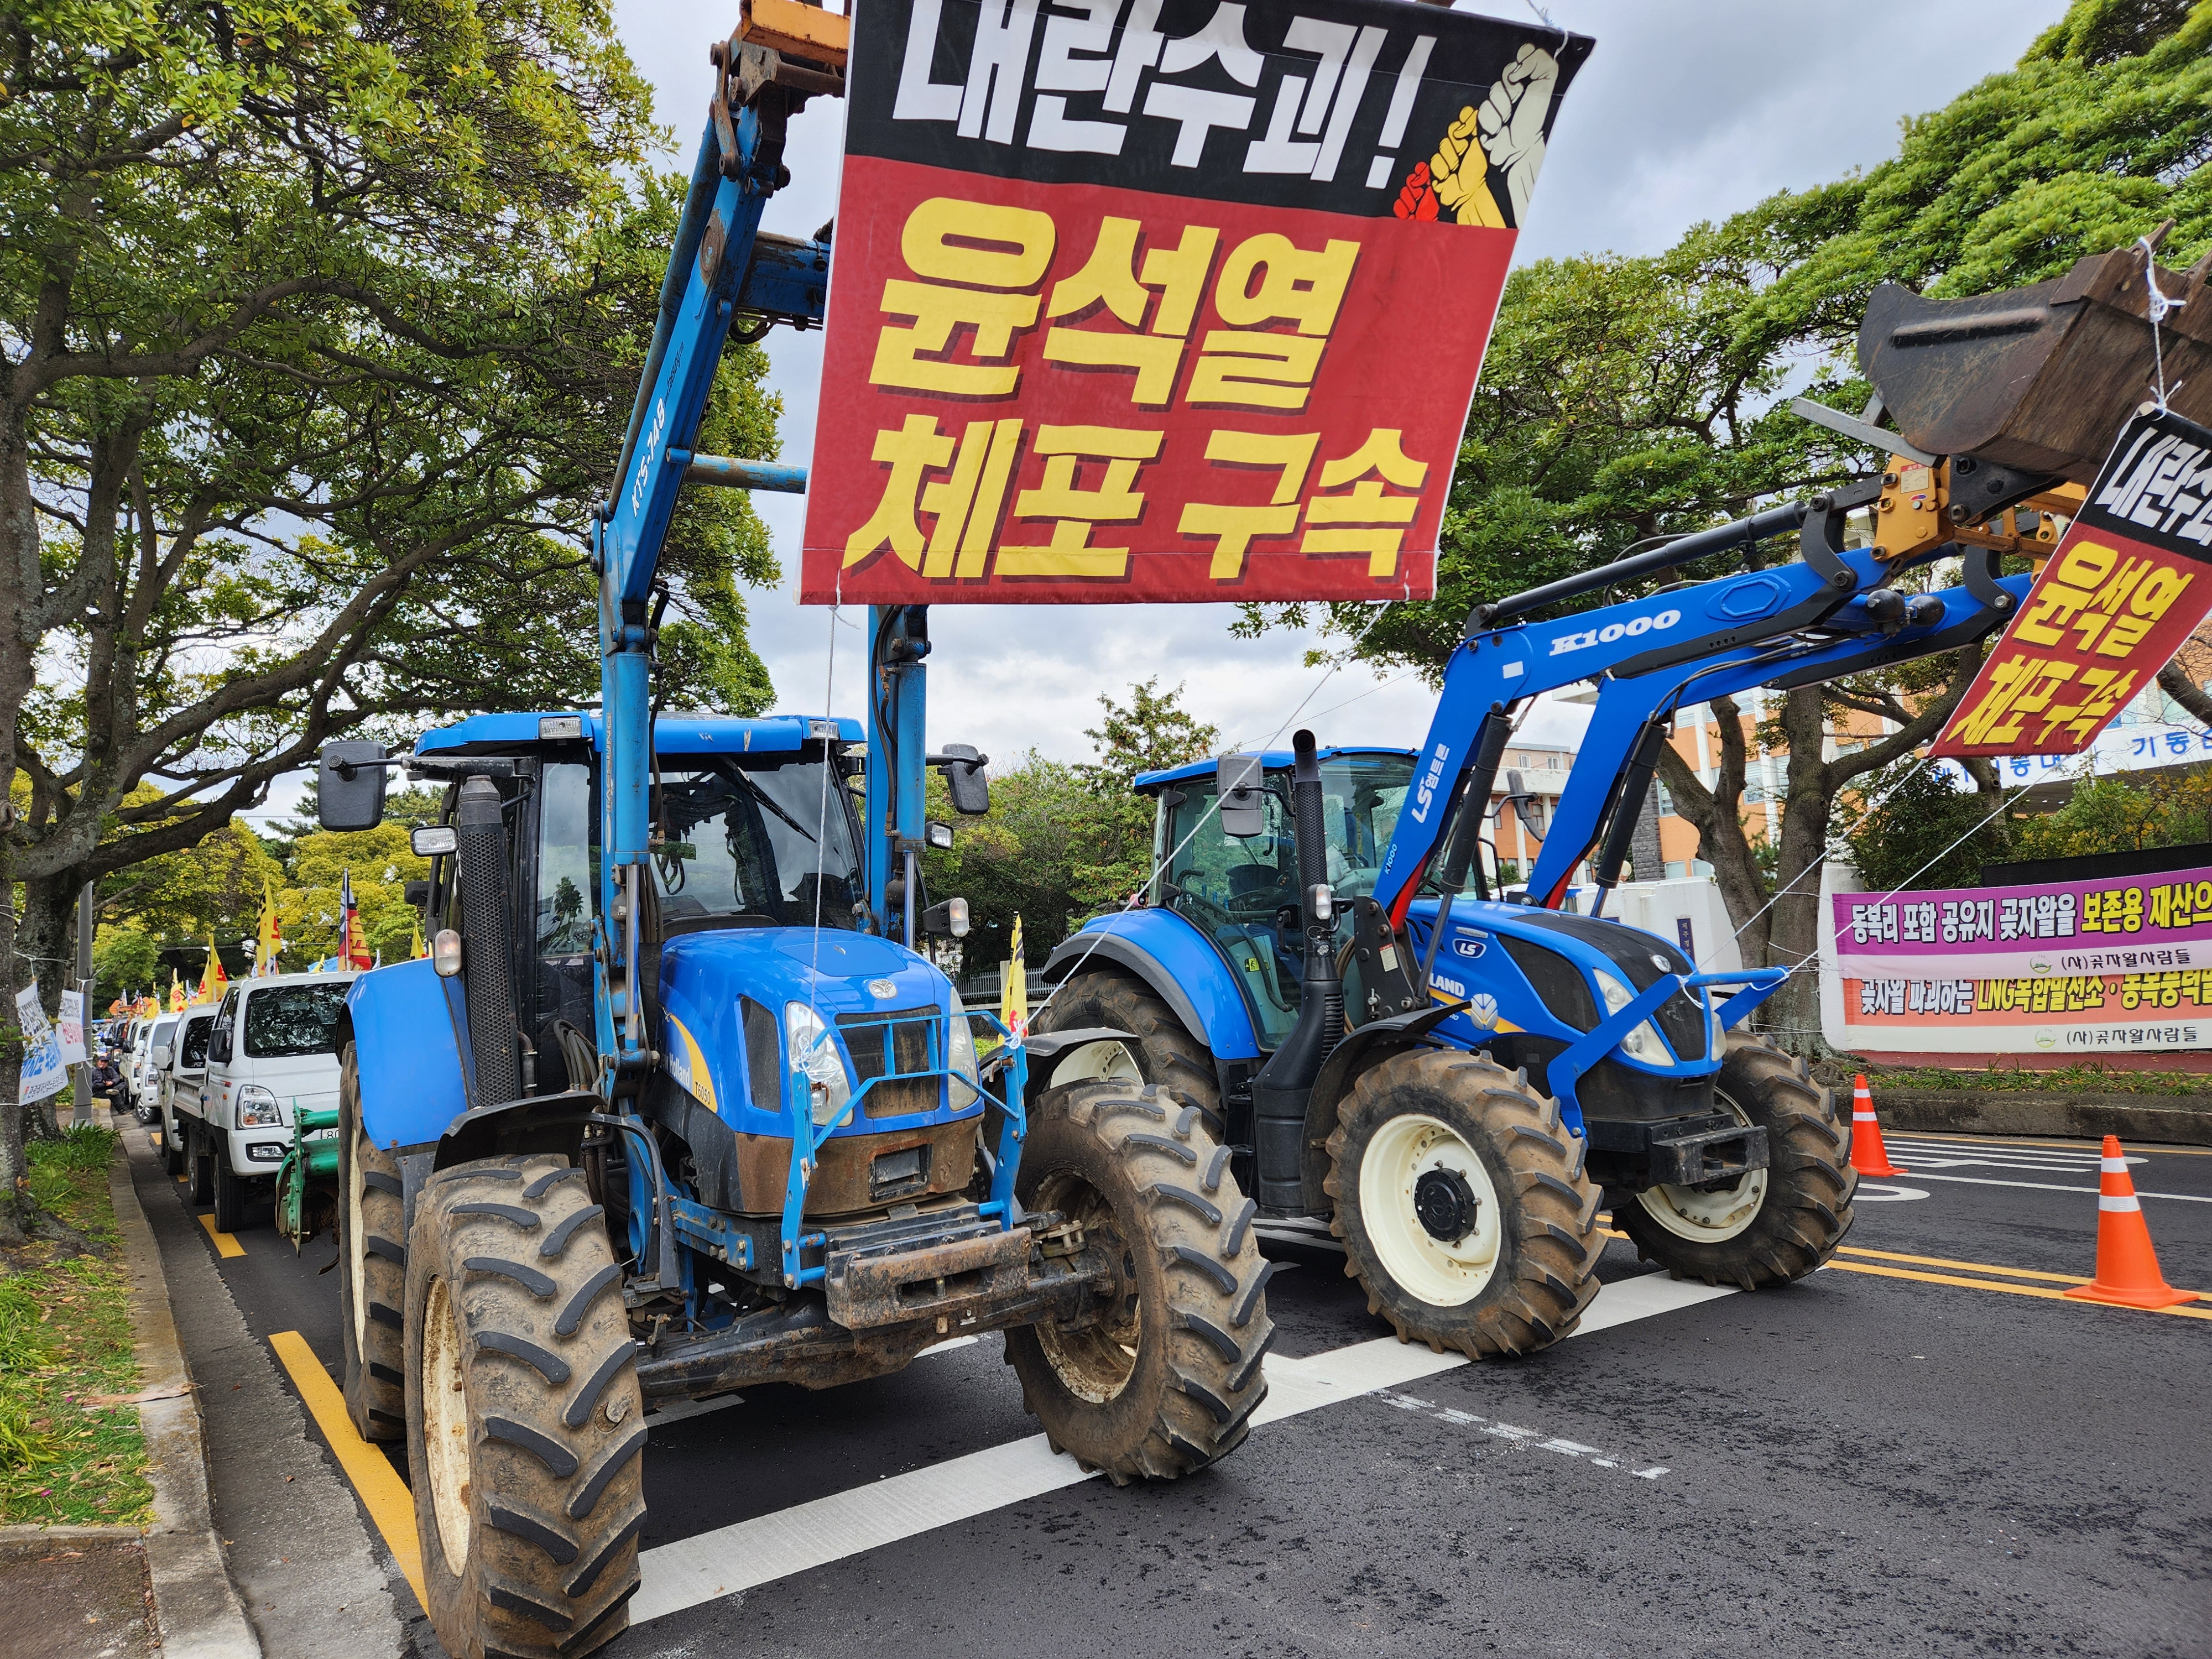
(1424, 795)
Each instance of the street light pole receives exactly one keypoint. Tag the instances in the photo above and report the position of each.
(82, 1113)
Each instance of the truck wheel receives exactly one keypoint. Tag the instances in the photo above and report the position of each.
(524, 1422)
(1165, 1052)
(1462, 1204)
(201, 1188)
(172, 1151)
(229, 1193)
(1775, 1224)
(1165, 1380)
(372, 1250)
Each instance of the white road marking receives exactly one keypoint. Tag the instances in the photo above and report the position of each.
(677, 1411)
(1880, 1192)
(768, 1547)
(2046, 1187)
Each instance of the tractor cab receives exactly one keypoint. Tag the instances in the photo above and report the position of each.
(1241, 890)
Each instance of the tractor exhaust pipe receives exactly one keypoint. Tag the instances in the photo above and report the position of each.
(481, 856)
(1280, 1092)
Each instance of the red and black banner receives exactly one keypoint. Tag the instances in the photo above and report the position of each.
(1163, 300)
(2121, 592)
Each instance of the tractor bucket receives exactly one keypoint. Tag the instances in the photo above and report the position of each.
(2038, 379)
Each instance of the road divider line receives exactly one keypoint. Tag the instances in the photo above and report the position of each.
(382, 1493)
(1971, 1266)
(2089, 1146)
(750, 1553)
(2048, 1187)
(225, 1245)
(2037, 1290)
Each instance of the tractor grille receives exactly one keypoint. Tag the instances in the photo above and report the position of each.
(906, 1035)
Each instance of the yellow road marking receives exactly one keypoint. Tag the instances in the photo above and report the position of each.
(383, 1493)
(1971, 1284)
(2152, 1150)
(225, 1245)
(2010, 1290)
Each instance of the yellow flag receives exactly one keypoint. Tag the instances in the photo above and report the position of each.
(210, 974)
(176, 992)
(418, 949)
(1018, 988)
(271, 943)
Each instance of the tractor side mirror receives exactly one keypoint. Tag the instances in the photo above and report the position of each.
(948, 920)
(964, 778)
(350, 786)
(1524, 804)
(1237, 783)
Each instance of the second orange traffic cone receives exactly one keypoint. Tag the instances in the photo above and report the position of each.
(1868, 1156)
(2127, 1267)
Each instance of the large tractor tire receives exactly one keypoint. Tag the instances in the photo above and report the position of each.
(1775, 1224)
(525, 1424)
(1164, 1053)
(1166, 1382)
(1463, 1206)
(372, 1289)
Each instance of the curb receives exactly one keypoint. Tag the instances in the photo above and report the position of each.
(198, 1610)
(2056, 1116)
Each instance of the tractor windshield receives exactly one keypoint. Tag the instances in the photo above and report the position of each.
(1243, 893)
(754, 839)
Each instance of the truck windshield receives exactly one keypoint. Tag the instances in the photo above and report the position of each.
(288, 1020)
(1243, 893)
(761, 839)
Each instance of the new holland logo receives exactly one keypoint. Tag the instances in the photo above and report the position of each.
(1630, 629)
(1484, 1009)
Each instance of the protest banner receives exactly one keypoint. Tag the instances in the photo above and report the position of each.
(43, 1073)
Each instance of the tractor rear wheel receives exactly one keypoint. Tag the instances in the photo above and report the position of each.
(1775, 1224)
(525, 1424)
(1164, 1053)
(1164, 1381)
(1463, 1206)
(373, 1252)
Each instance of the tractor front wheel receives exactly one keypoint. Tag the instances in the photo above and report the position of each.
(1773, 1225)
(372, 1253)
(1164, 1378)
(1462, 1203)
(1164, 1053)
(525, 1424)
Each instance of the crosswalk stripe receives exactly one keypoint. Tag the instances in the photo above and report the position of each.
(768, 1547)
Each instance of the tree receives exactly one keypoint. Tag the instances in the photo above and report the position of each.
(1627, 398)
(1921, 830)
(317, 327)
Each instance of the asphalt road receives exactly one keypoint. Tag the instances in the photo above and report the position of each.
(1873, 1461)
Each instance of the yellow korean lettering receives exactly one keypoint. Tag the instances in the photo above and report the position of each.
(1294, 286)
(1261, 371)
(1108, 276)
(915, 449)
(1384, 452)
(1078, 510)
(937, 311)
(1155, 357)
(947, 240)
(966, 504)
(1233, 527)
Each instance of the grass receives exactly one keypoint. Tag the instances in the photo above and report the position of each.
(2068, 1079)
(65, 1334)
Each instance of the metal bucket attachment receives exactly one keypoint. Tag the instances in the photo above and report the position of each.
(2038, 379)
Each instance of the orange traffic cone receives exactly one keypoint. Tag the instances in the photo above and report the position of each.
(1868, 1156)
(2127, 1267)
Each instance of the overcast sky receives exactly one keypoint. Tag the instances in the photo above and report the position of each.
(1689, 110)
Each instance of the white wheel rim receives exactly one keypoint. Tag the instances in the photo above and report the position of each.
(1441, 1273)
(446, 1426)
(1715, 1216)
(356, 1249)
(1098, 1062)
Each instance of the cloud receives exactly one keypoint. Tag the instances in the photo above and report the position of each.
(1689, 110)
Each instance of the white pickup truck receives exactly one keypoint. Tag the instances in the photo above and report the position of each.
(271, 1051)
(180, 1073)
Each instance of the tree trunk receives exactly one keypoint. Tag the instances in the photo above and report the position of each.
(1717, 816)
(21, 589)
(1792, 1015)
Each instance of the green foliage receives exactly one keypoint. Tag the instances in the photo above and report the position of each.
(1922, 832)
(79, 1147)
(2121, 815)
(125, 960)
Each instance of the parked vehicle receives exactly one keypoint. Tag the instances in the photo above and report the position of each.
(184, 1074)
(272, 1050)
(146, 1072)
(136, 1041)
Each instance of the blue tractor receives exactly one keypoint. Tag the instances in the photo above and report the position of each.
(1453, 1084)
(677, 1103)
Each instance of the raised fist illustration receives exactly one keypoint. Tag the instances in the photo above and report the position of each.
(1417, 198)
(1459, 172)
(1512, 122)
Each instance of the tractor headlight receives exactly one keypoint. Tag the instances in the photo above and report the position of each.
(257, 1108)
(961, 1051)
(814, 1056)
(1644, 1042)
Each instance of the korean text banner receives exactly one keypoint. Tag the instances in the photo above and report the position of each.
(2126, 585)
(2082, 966)
(1163, 300)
